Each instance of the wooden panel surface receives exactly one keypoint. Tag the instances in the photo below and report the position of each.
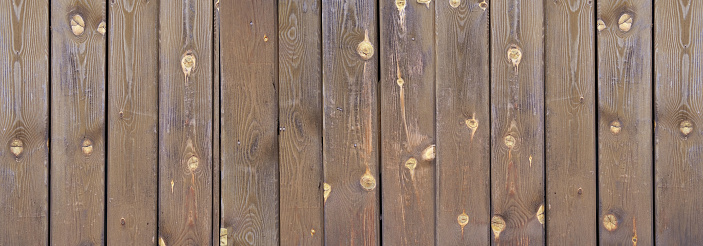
(216, 141)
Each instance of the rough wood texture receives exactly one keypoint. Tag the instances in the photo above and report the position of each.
(570, 122)
(133, 108)
(249, 122)
(679, 101)
(77, 123)
(350, 122)
(24, 129)
(185, 122)
(625, 122)
(463, 123)
(300, 113)
(517, 128)
(216, 141)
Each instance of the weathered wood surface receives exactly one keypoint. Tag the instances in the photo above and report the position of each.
(300, 114)
(216, 141)
(350, 122)
(517, 127)
(77, 173)
(570, 122)
(249, 117)
(24, 128)
(133, 114)
(185, 122)
(407, 121)
(625, 122)
(679, 101)
(463, 122)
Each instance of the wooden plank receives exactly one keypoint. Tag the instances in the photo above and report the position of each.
(625, 121)
(24, 77)
(517, 127)
(570, 122)
(679, 143)
(408, 122)
(300, 100)
(249, 122)
(463, 123)
(77, 123)
(185, 122)
(216, 232)
(350, 122)
(133, 108)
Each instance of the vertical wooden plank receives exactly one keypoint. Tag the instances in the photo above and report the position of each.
(570, 122)
(408, 122)
(517, 131)
(216, 232)
(463, 122)
(625, 121)
(249, 122)
(350, 122)
(300, 102)
(77, 122)
(679, 101)
(132, 122)
(24, 74)
(185, 122)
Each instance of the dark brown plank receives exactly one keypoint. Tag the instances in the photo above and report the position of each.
(408, 122)
(249, 122)
(679, 101)
(463, 123)
(570, 122)
(185, 122)
(517, 127)
(24, 129)
(300, 101)
(133, 108)
(625, 122)
(350, 122)
(77, 122)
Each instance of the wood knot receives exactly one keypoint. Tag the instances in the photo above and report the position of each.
(454, 3)
(102, 28)
(266, 38)
(161, 241)
(462, 219)
(540, 214)
(411, 163)
(16, 147)
(579, 191)
(188, 62)
(600, 25)
(368, 182)
(122, 221)
(400, 4)
(472, 124)
(77, 24)
(192, 163)
(686, 127)
(497, 225)
(87, 147)
(625, 22)
(429, 153)
(509, 141)
(610, 222)
(365, 48)
(615, 126)
(223, 236)
(400, 82)
(426, 2)
(483, 5)
(515, 56)
(327, 189)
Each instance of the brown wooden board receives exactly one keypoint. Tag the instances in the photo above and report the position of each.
(249, 85)
(517, 127)
(350, 122)
(679, 101)
(185, 122)
(625, 122)
(300, 102)
(216, 232)
(133, 114)
(570, 122)
(24, 128)
(463, 122)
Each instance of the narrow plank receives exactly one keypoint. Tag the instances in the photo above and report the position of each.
(570, 122)
(679, 143)
(24, 77)
(463, 122)
(133, 109)
(625, 122)
(216, 232)
(517, 127)
(408, 122)
(249, 118)
(300, 100)
(350, 122)
(185, 122)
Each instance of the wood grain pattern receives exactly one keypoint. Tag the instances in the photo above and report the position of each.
(300, 110)
(625, 122)
(570, 122)
(679, 101)
(249, 122)
(407, 122)
(133, 108)
(517, 129)
(216, 102)
(463, 123)
(350, 122)
(24, 129)
(185, 122)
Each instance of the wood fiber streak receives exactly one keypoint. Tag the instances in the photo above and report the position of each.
(216, 141)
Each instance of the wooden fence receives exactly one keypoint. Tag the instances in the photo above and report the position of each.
(351, 122)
